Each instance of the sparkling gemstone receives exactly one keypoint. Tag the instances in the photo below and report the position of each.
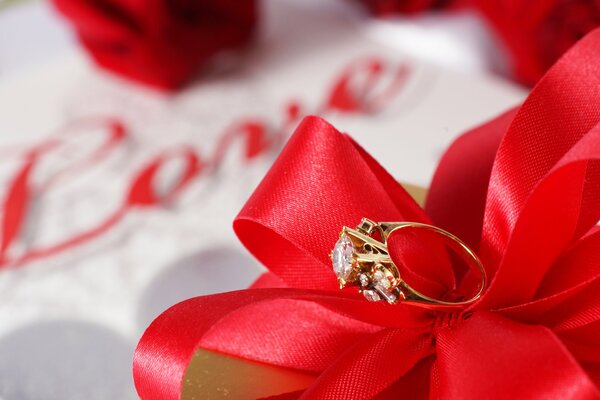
(364, 280)
(389, 296)
(342, 257)
(383, 285)
(381, 281)
(371, 295)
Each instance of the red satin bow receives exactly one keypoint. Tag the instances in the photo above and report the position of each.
(523, 189)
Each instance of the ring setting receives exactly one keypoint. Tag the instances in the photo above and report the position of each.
(361, 258)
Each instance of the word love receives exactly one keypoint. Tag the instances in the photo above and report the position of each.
(364, 87)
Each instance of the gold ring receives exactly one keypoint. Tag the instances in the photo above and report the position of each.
(362, 259)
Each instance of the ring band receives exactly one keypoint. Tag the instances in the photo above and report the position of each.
(360, 259)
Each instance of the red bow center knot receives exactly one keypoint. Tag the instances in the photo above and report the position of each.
(522, 190)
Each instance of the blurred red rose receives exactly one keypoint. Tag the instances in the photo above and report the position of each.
(162, 43)
(389, 7)
(537, 32)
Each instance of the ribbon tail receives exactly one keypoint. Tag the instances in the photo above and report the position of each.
(491, 356)
(370, 367)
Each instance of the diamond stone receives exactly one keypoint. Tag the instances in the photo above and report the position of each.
(390, 297)
(371, 295)
(381, 281)
(342, 257)
(383, 285)
(364, 280)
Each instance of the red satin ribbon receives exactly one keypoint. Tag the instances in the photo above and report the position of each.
(523, 189)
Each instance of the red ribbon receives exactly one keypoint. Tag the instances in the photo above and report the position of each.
(523, 189)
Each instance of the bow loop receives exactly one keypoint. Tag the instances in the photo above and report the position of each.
(544, 189)
(323, 181)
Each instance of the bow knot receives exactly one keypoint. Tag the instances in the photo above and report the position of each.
(446, 320)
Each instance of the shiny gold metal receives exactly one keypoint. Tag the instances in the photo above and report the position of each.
(378, 278)
(212, 376)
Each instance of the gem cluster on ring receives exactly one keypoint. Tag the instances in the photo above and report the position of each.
(359, 259)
